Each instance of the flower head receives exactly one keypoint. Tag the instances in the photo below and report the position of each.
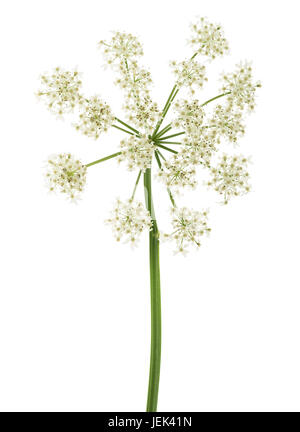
(178, 172)
(208, 39)
(96, 117)
(227, 122)
(60, 90)
(66, 174)
(121, 46)
(134, 80)
(189, 226)
(189, 73)
(230, 177)
(129, 219)
(142, 112)
(241, 86)
(190, 116)
(199, 150)
(137, 152)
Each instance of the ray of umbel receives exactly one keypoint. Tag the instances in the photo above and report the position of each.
(190, 141)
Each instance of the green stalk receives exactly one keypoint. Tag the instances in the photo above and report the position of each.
(155, 353)
(166, 148)
(103, 159)
(164, 130)
(165, 110)
(127, 125)
(168, 106)
(157, 154)
(124, 130)
(215, 98)
(168, 142)
(169, 136)
(136, 184)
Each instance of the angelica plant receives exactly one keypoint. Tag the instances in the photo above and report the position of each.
(191, 140)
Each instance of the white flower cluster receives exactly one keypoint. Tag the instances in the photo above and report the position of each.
(189, 226)
(190, 116)
(96, 117)
(230, 177)
(66, 174)
(189, 73)
(137, 152)
(121, 46)
(198, 151)
(142, 113)
(241, 87)
(136, 82)
(227, 122)
(60, 90)
(129, 219)
(208, 39)
(123, 51)
(177, 173)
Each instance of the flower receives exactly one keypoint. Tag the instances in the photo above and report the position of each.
(137, 151)
(199, 150)
(190, 117)
(96, 117)
(60, 90)
(135, 81)
(178, 172)
(227, 122)
(208, 39)
(189, 73)
(189, 226)
(129, 219)
(230, 177)
(241, 86)
(121, 46)
(66, 174)
(142, 112)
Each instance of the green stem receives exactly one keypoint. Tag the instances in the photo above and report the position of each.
(136, 184)
(155, 352)
(164, 130)
(170, 136)
(169, 104)
(157, 153)
(167, 142)
(103, 159)
(161, 155)
(124, 130)
(157, 159)
(129, 127)
(173, 97)
(170, 99)
(214, 98)
(165, 110)
(166, 148)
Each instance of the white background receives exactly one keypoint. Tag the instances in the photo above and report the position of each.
(74, 305)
